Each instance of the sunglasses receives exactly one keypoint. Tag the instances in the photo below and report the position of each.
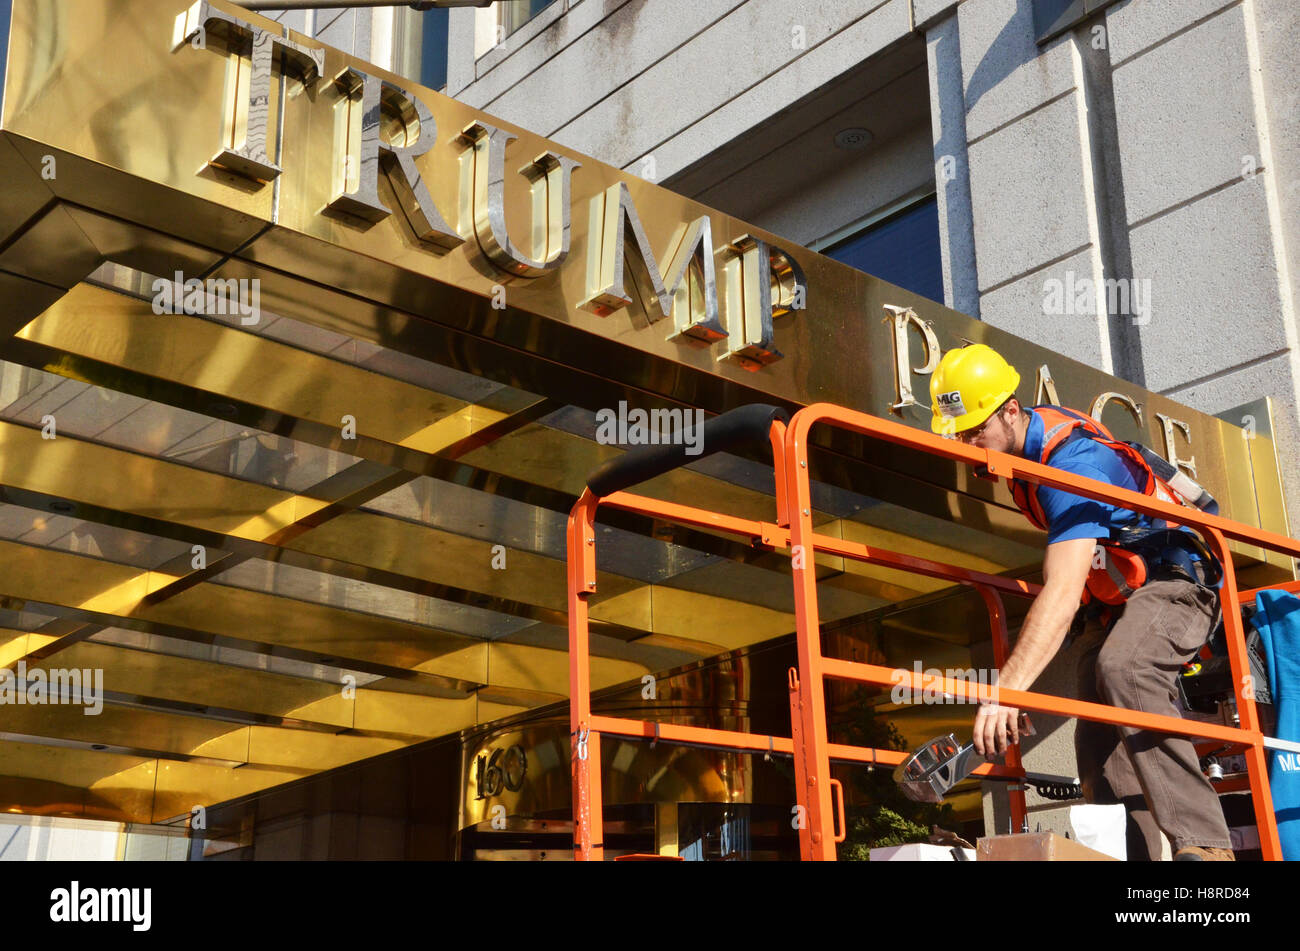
(971, 435)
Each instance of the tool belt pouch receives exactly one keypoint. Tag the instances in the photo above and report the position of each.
(1169, 552)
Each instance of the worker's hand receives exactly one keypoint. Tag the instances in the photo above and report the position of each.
(997, 726)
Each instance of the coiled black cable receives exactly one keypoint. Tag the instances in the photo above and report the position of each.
(1060, 792)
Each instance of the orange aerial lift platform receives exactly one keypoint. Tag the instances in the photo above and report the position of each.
(819, 796)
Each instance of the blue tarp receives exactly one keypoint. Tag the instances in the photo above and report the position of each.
(1278, 622)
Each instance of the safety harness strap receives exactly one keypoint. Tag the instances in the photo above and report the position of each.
(1117, 576)
(1159, 546)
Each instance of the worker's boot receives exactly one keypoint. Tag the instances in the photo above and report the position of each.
(1201, 853)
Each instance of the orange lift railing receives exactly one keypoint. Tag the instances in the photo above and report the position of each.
(820, 797)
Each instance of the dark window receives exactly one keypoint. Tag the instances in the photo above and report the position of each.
(433, 48)
(1054, 17)
(515, 13)
(902, 249)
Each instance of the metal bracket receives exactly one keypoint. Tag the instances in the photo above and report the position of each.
(583, 732)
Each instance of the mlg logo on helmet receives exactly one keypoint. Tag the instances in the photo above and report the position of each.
(950, 404)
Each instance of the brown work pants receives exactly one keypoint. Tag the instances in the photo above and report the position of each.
(1157, 776)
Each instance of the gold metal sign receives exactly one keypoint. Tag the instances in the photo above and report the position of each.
(517, 280)
(373, 114)
(689, 294)
(317, 173)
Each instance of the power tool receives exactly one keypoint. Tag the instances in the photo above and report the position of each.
(939, 764)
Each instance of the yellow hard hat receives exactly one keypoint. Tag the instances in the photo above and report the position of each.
(969, 385)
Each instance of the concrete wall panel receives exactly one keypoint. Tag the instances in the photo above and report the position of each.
(1273, 377)
(1214, 287)
(1019, 308)
(1139, 24)
(1027, 193)
(926, 12)
(704, 81)
(588, 53)
(952, 166)
(748, 109)
(1006, 72)
(1185, 116)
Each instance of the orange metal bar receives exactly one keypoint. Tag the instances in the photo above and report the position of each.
(1222, 749)
(778, 536)
(1234, 784)
(581, 570)
(808, 744)
(588, 835)
(1245, 597)
(777, 437)
(692, 735)
(1256, 759)
(891, 758)
(837, 794)
(815, 788)
(800, 766)
(759, 743)
(1010, 466)
(1026, 700)
(1001, 651)
(923, 566)
(1215, 528)
(685, 515)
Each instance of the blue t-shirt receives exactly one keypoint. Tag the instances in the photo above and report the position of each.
(1071, 516)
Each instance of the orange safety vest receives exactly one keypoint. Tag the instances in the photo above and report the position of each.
(1121, 572)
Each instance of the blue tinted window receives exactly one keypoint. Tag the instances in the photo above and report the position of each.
(902, 249)
(433, 49)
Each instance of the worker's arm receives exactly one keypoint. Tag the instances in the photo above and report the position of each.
(1065, 569)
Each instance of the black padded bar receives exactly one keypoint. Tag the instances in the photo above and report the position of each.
(736, 427)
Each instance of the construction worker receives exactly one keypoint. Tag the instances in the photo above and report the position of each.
(1160, 601)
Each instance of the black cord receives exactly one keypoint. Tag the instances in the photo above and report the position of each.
(1060, 792)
